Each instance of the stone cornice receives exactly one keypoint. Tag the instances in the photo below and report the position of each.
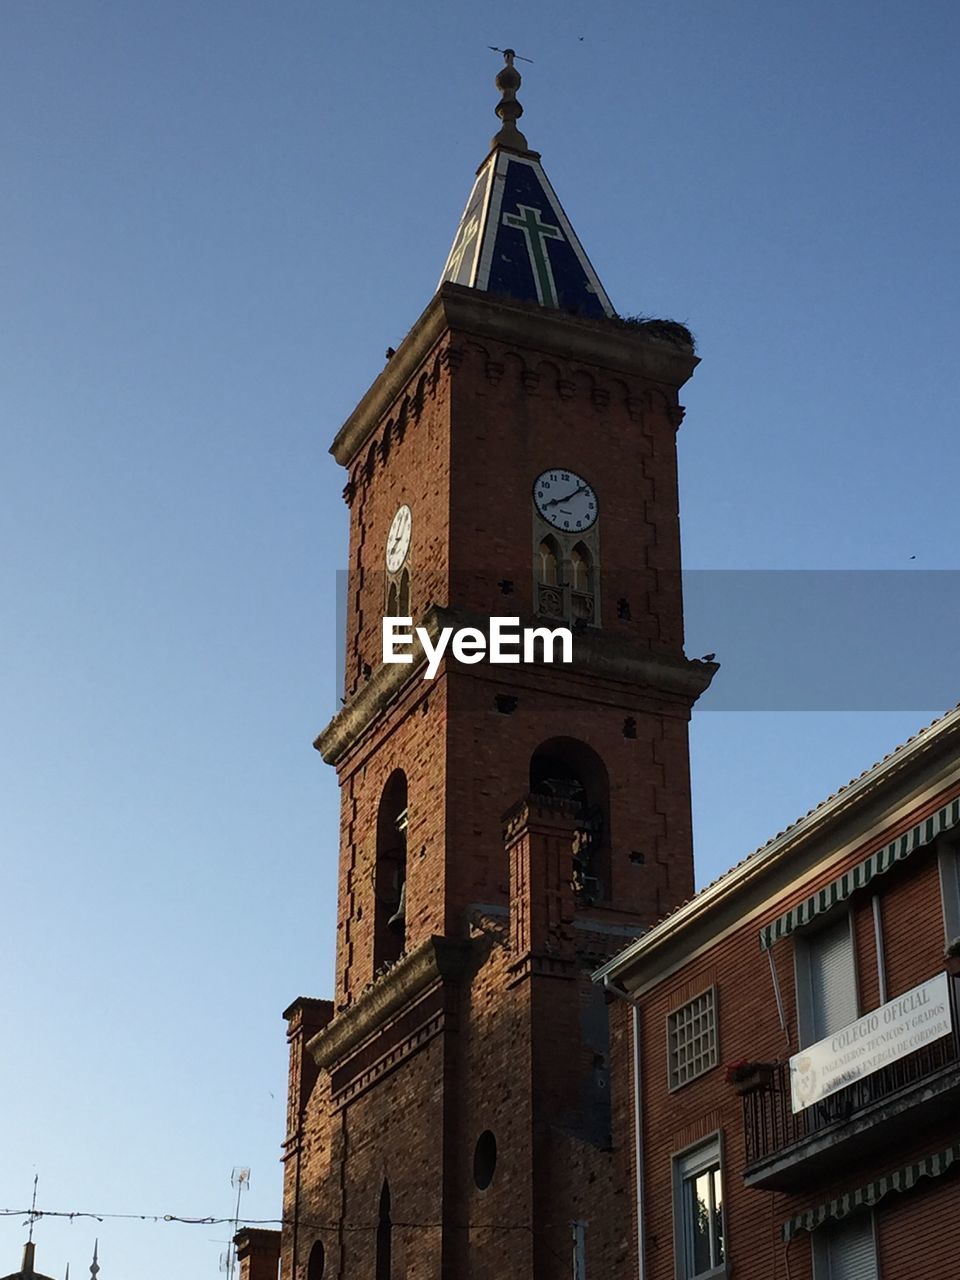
(251, 1240)
(386, 683)
(595, 653)
(434, 959)
(539, 811)
(593, 342)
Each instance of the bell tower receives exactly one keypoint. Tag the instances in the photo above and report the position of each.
(504, 827)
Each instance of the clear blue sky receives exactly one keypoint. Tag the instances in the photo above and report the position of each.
(215, 217)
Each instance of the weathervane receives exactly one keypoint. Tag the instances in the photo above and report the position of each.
(510, 54)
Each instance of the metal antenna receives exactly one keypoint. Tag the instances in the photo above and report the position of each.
(33, 1208)
(518, 56)
(239, 1178)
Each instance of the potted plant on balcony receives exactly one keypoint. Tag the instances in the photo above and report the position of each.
(951, 958)
(750, 1077)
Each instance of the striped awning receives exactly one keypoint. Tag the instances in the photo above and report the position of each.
(857, 877)
(865, 1197)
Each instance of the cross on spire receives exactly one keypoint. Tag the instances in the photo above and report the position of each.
(536, 234)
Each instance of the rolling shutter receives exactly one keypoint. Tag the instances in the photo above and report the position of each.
(851, 1251)
(833, 993)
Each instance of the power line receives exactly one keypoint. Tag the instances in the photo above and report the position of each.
(210, 1220)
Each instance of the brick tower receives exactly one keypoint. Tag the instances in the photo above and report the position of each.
(504, 828)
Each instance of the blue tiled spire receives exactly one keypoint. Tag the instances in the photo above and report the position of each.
(514, 238)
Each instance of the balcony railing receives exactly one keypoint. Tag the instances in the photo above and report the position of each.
(772, 1129)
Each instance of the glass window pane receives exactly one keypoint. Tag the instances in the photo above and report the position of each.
(698, 1225)
(717, 1218)
(692, 1039)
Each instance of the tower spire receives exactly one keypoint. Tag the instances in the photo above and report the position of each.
(509, 110)
(94, 1265)
(514, 239)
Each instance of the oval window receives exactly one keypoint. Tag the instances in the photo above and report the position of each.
(484, 1159)
(316, 1262)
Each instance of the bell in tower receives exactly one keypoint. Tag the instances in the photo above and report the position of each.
(504, 826)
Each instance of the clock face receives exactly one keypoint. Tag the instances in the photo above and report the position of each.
(398, 539)
(565, 500)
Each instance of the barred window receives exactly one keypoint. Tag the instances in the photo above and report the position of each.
(692, 1039)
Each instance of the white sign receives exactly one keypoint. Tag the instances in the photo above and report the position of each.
(895, 1029)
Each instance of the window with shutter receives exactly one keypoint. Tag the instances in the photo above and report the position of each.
(847, 1251)
(949, 863)
(698, 1213)
(826, 981)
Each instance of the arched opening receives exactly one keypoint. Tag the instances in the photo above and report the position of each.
(403, 595)
(581, 564)
(392, 611)
(390, 887)
(384, 1235)
(581, 583)
(548, 562)
(316, 1261)
(567, 769)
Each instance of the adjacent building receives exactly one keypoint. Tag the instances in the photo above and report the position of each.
(795, 1073)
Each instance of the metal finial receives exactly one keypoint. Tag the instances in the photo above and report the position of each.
(508, 108)
(94, 1265)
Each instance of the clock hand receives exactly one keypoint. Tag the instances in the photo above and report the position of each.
(566, 498)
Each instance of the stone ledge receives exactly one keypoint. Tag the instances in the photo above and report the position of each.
(305, 1006)
(455, 307)
(597, 653)
(257, 1240)
(435, 959)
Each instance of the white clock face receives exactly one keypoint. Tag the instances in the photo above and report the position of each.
(565, 500)
(398, 539)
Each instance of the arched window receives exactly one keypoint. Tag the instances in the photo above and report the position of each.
(582, 602)
(403, 596)
(316, 1262)
(384, 1235)
(390, 884)
(567, 769)
(580, 568)
(548, 562)
(566, 577)
(392, 611)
